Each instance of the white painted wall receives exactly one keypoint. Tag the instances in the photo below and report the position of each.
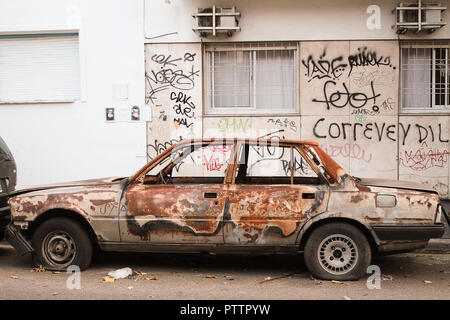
(71, 141)
(267, 20)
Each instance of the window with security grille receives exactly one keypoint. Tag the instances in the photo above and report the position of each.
(425, 75)
(243, 78)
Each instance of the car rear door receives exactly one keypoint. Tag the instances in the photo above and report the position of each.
(274, 193)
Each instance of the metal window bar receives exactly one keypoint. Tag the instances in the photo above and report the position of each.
(268, 55)
(417, 68)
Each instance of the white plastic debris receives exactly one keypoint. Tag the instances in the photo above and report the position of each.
(121, 273)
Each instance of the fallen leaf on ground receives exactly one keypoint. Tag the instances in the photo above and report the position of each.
(40, 269)
(14, 277)
(336, 281)
(427, 281)
(130, 288)
(267, 279)
(387, 277)
(108, 279)
(151, 278)
(55, 293)
(211, 277)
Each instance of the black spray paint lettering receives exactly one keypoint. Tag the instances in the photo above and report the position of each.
(299, 167)
(159, 147)
(164, 60)
(189, 57)
(183, 107)
(423, 133)
(286, 123)
(374, 130)
(367, 58)
(365, 112)
(340, 99)
(323, 68)
(182, 98)
(167, 78)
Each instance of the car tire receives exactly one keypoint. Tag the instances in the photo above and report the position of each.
(337, 251)
(61, 242)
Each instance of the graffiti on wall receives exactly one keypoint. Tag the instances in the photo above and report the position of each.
(378, 131)
(365, 70)
(169, 80)
(424, 158)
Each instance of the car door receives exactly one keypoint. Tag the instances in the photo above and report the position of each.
(182, 200)
(275, 191)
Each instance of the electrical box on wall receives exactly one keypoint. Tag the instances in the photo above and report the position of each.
(418, 16)
(216, 21)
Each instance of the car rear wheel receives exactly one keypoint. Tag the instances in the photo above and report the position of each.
(337, 251)
(61, 242)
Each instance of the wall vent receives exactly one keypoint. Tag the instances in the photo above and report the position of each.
(417, 16)
(216, 21)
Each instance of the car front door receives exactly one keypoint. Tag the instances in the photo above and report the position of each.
(275, 191)
(180, 200)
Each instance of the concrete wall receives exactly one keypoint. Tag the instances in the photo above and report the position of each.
(69, 141)
(364, 129)
(264, 20)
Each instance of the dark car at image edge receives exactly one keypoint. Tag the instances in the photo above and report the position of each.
(8, 179)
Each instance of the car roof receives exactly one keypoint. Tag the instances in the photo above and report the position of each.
(257, 140)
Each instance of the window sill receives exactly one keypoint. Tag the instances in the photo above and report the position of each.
(252, 114)
(424, 112)
(6, 102)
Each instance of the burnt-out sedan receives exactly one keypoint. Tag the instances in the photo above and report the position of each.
(229, 195)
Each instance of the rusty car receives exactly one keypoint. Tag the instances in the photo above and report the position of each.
(229, 196)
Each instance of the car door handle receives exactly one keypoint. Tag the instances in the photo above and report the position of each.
(210, 195)
(308, 195)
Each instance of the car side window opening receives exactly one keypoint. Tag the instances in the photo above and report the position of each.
(273, 164)
(194, 163)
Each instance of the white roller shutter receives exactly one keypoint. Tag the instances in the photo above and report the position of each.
(39, 68)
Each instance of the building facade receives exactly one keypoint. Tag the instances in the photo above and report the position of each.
(373, 93)
(339, 72)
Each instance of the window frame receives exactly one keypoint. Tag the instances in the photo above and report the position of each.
(232, 171)
(208, 79)
(433, 108)
(52, 32)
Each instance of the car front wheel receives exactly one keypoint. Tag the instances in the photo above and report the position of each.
(61, 242)
(337, 251)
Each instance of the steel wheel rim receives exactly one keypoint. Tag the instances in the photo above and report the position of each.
(338, 254)
(59, 248)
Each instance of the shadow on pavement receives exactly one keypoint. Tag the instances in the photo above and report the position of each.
(224, 262)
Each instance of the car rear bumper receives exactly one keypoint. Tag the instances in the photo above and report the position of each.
(413, 232)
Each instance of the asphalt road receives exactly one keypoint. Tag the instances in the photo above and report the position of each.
(184, 276)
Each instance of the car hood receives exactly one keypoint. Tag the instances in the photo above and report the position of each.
(90, 182)
(398, 184)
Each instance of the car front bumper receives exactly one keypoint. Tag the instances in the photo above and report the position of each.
(5, 218)
(17, 240)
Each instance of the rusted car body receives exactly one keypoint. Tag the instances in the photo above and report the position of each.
(240, 208)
